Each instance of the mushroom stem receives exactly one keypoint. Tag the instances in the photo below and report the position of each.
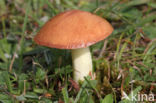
(82, 63)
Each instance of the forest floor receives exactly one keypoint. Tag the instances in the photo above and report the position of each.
(124, 63)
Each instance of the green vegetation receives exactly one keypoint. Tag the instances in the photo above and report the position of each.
(124, 63)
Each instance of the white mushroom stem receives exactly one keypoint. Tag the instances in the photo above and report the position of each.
(82, 63)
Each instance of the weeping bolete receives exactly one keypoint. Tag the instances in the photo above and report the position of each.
(75, 30)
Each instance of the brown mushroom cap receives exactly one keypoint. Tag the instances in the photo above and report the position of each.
(73, 29)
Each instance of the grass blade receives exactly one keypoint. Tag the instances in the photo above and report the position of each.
(65, 95)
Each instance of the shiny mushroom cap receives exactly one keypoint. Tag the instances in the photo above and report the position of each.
(73, 29)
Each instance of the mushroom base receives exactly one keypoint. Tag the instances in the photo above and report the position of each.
(82, 63)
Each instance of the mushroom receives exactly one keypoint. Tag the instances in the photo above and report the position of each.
(75, 30)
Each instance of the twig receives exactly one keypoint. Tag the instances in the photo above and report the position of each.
(14, 56)
(12, 62)
(148, 46)
(46, 80)
(103, 49)
(24, 91)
